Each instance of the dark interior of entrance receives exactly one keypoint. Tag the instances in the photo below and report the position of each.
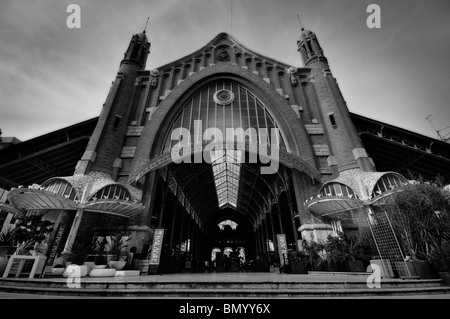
(218, 217)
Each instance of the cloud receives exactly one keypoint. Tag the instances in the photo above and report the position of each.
(52, 76)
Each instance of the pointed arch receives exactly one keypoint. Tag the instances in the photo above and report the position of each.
(296, 137)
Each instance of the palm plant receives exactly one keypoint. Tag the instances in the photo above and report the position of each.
(32, 229)
(6, 242)
(358, 248)
(7, 237)
(440, 255)
(314, 256)
(78, 253)
(117, 245)
(335, 249)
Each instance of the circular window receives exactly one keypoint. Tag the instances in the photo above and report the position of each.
(223, 97)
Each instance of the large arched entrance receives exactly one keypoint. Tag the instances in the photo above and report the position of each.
(220, 168)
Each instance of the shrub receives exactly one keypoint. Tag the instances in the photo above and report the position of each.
(420, 215)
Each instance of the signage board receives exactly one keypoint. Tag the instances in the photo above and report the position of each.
(282, 248)
(157, 246)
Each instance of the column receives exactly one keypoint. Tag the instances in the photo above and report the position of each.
(181, 238)
(279, 218)
(77, 220)
(256, 242)
(174, 215)
(267, 239)
(294, 227)
(275, 244)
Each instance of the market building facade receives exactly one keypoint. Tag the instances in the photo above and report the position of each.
(150, 162)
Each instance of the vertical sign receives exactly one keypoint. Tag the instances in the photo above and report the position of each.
(55, 244)
(53, 248)
(157, 244)
(282, 248)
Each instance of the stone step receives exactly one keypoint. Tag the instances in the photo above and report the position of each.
(350, 274)
(166, 284)
(161, 283)
(264, 285)
(235, 293)
(337, 273)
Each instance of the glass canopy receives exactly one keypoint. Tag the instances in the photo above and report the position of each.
(226, 167)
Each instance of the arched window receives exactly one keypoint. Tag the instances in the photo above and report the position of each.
(61, 187)
(224, 105)
(388, 182)
(114, 191)
(337, 189)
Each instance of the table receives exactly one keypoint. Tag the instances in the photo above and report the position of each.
(22, 259)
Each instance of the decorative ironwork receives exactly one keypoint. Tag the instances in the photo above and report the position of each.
(387, 245)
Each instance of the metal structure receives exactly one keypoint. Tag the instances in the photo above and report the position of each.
(393, 260)
(46, 156)
(402, 151)
(56, 153)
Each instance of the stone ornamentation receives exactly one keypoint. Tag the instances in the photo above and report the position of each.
(294, 81)
(154, 78)
(291, 71)
(223, 55)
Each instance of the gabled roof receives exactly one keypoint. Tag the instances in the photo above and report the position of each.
(223, 39)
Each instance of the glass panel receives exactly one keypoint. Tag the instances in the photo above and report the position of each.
(226, 169)
(244, 112)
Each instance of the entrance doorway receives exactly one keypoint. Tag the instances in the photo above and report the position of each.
(226, 204)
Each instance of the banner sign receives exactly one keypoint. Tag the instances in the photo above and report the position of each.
(282, 248)
(55, 244)
(157, 245)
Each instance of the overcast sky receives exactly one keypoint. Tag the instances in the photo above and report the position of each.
(52, 76)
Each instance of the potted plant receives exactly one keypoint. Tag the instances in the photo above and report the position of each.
(314, 255)
(440, 259)
(31, 235)
(335, 248)
(30, 231)
(144, 263)
(100, 261)
(75, 260)
(116, 254)
(295, 261)
(420, 216)
(6, 248)
(6, 242)
(357, 253)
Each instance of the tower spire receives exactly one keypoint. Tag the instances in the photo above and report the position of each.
(300, 21)
(146, 23)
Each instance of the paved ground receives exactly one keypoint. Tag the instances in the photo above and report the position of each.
(27, 296)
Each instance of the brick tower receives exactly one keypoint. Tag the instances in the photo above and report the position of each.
(346, 149)
(103, 151)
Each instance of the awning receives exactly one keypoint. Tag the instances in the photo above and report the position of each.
(32, 198)
(37, 199)
(117, 207)
(324, 206)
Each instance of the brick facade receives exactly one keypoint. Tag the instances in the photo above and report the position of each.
(305, 103)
